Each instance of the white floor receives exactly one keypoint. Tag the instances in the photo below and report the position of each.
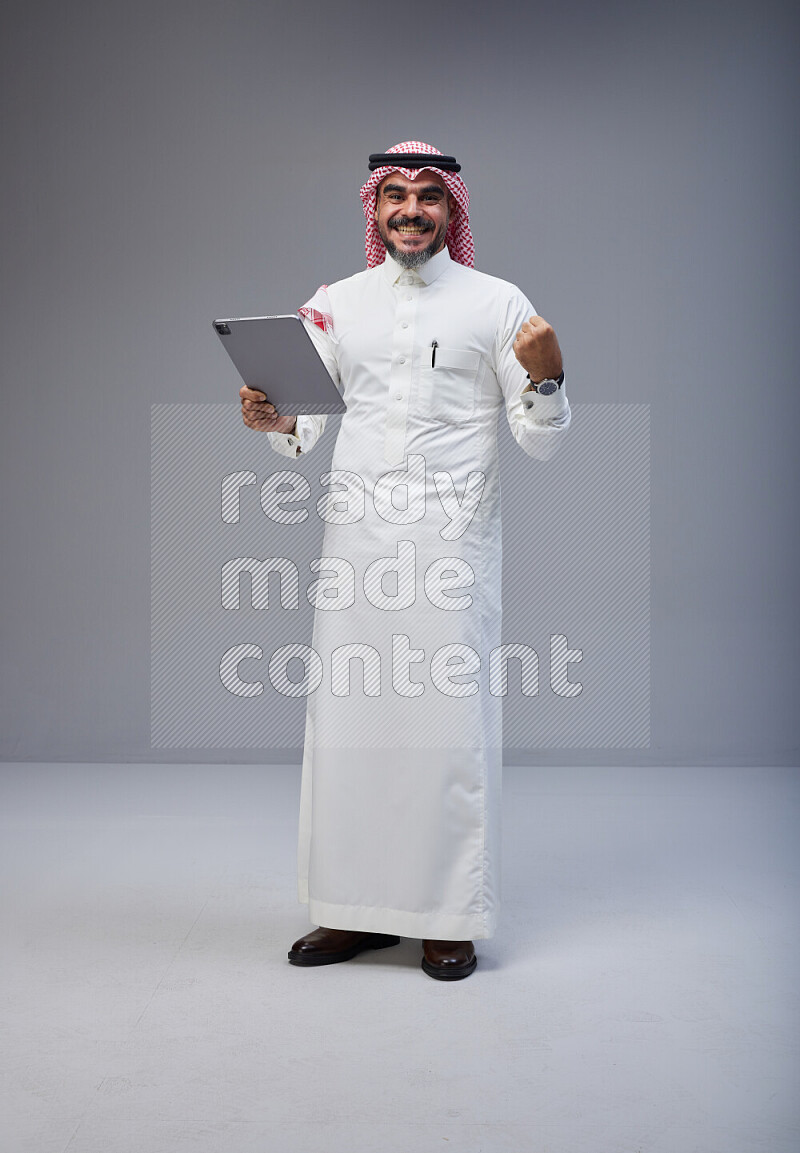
(639, 998)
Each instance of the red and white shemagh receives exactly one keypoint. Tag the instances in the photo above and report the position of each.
(317, 309)
(458, 238)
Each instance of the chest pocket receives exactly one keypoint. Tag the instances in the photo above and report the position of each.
(448, 391)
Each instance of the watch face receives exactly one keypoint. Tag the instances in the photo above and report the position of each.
(547, 388)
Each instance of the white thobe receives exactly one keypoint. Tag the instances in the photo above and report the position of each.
(401, 782)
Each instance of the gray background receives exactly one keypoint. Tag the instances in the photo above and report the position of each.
(632, 168)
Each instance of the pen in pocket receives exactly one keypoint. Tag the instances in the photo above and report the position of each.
(434, 346)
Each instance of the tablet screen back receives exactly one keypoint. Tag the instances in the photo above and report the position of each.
(276, 355)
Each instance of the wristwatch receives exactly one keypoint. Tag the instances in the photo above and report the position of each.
(548, 386)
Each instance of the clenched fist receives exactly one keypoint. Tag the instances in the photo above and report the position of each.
(259, 414)
(536, 348)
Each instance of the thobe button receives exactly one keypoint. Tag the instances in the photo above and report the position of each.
(399, 396)
(402, 360)
(404, 325)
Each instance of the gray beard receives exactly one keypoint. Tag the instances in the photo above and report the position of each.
(423, 255)
(411, 259)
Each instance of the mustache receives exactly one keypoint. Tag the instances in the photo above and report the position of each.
(414, 221)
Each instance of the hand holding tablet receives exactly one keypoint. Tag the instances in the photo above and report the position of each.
(259, 413)
(283, 373)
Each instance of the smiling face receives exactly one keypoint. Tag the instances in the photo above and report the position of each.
(412, 216)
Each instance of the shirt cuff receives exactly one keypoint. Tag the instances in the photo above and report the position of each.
(544, 409)
(286, 443)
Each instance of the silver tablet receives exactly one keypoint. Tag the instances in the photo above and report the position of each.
(276, 355)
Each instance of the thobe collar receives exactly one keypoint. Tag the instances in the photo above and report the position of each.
(428, 272)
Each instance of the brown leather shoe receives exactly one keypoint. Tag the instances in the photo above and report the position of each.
(448, 960)
(329, 946)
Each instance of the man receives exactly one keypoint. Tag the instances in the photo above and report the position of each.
(400, 794)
